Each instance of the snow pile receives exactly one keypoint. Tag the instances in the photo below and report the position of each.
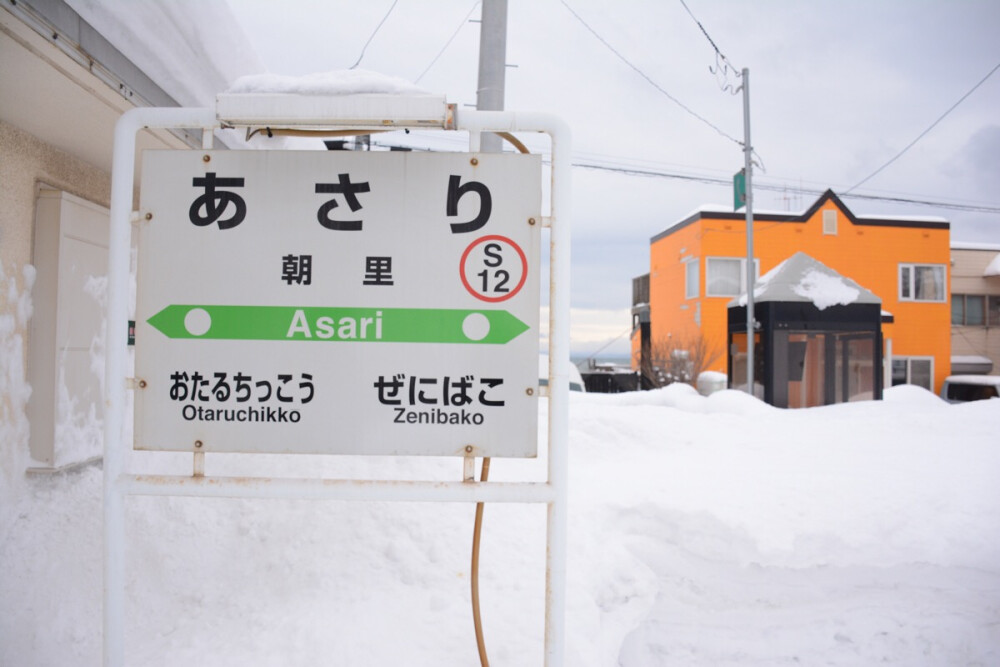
(14, 393)
(338, 82)
(826, 290)
(79, 429)
(703, 531)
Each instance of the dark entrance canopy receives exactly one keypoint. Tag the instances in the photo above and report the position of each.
(818, 337)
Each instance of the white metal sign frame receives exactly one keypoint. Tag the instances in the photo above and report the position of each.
(358, 112)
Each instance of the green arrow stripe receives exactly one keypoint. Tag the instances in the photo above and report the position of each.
(370, 325)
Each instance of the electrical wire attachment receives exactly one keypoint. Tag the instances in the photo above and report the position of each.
(374, 32)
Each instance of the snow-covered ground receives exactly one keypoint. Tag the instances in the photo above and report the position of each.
(703, 531)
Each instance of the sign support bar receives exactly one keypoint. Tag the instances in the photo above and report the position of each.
(120, 483)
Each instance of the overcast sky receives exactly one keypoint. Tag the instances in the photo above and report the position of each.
(837, 89)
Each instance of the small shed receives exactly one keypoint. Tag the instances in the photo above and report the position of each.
(818, 337)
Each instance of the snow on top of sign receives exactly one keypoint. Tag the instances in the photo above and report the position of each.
(336, 82)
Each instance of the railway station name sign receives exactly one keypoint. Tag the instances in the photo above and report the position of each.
(338, 302)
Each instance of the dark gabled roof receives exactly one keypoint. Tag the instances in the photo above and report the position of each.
(829, 195)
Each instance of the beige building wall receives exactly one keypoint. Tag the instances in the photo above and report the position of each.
(968, 265)
(58, 109)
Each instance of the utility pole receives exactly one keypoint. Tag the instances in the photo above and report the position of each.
(492, 65)
(748, 168)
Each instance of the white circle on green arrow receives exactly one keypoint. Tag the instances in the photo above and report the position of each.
(475, 326)
(197, 321)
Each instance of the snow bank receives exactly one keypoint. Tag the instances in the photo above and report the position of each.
(703, 531)
(14, 391)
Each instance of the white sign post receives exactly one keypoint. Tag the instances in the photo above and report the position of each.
(337, 302)
(342, 304)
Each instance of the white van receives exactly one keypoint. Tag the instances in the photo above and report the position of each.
(962, 388)
(575, 379)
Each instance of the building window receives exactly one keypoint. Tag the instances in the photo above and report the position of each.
(970, 309)
(726, 276)
(993, 311)
(913, 370)
(691, 288)
(830, 222)
(921, 282)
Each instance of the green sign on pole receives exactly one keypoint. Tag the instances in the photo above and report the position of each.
(739, 190)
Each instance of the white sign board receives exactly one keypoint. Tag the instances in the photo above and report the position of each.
(338, 302)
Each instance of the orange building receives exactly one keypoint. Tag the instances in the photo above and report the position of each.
(698, 265)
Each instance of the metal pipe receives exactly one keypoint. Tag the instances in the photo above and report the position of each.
(492, 64)
(554, 493)
(559, 301)
(119, 243)
(336, 489)
(748, 169)
(559, 353)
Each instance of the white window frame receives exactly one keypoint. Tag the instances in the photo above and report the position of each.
(743, 274)
(910, 270)
(909, 369)
(692, 291)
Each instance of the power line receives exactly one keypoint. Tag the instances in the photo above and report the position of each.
(705, 32)
(374, 32)
(922, 134)
(647, 78)
(448, 43)
(715, 180)
(608, 344)
(711, 180)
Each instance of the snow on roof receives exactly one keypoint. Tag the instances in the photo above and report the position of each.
(337, 82)
(993, 268)
(970, 359)
(985, 380)
(722, 208)
(972, 245)
(903, 218)
(804, 279)
(158, 37)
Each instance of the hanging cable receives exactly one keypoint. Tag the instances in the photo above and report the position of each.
(608, 344)
(720, 58)
(374, 32)
(647, 78)
(711, 180)
(448, 43)
(721, 71)
(478, 528)
(924, 133)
